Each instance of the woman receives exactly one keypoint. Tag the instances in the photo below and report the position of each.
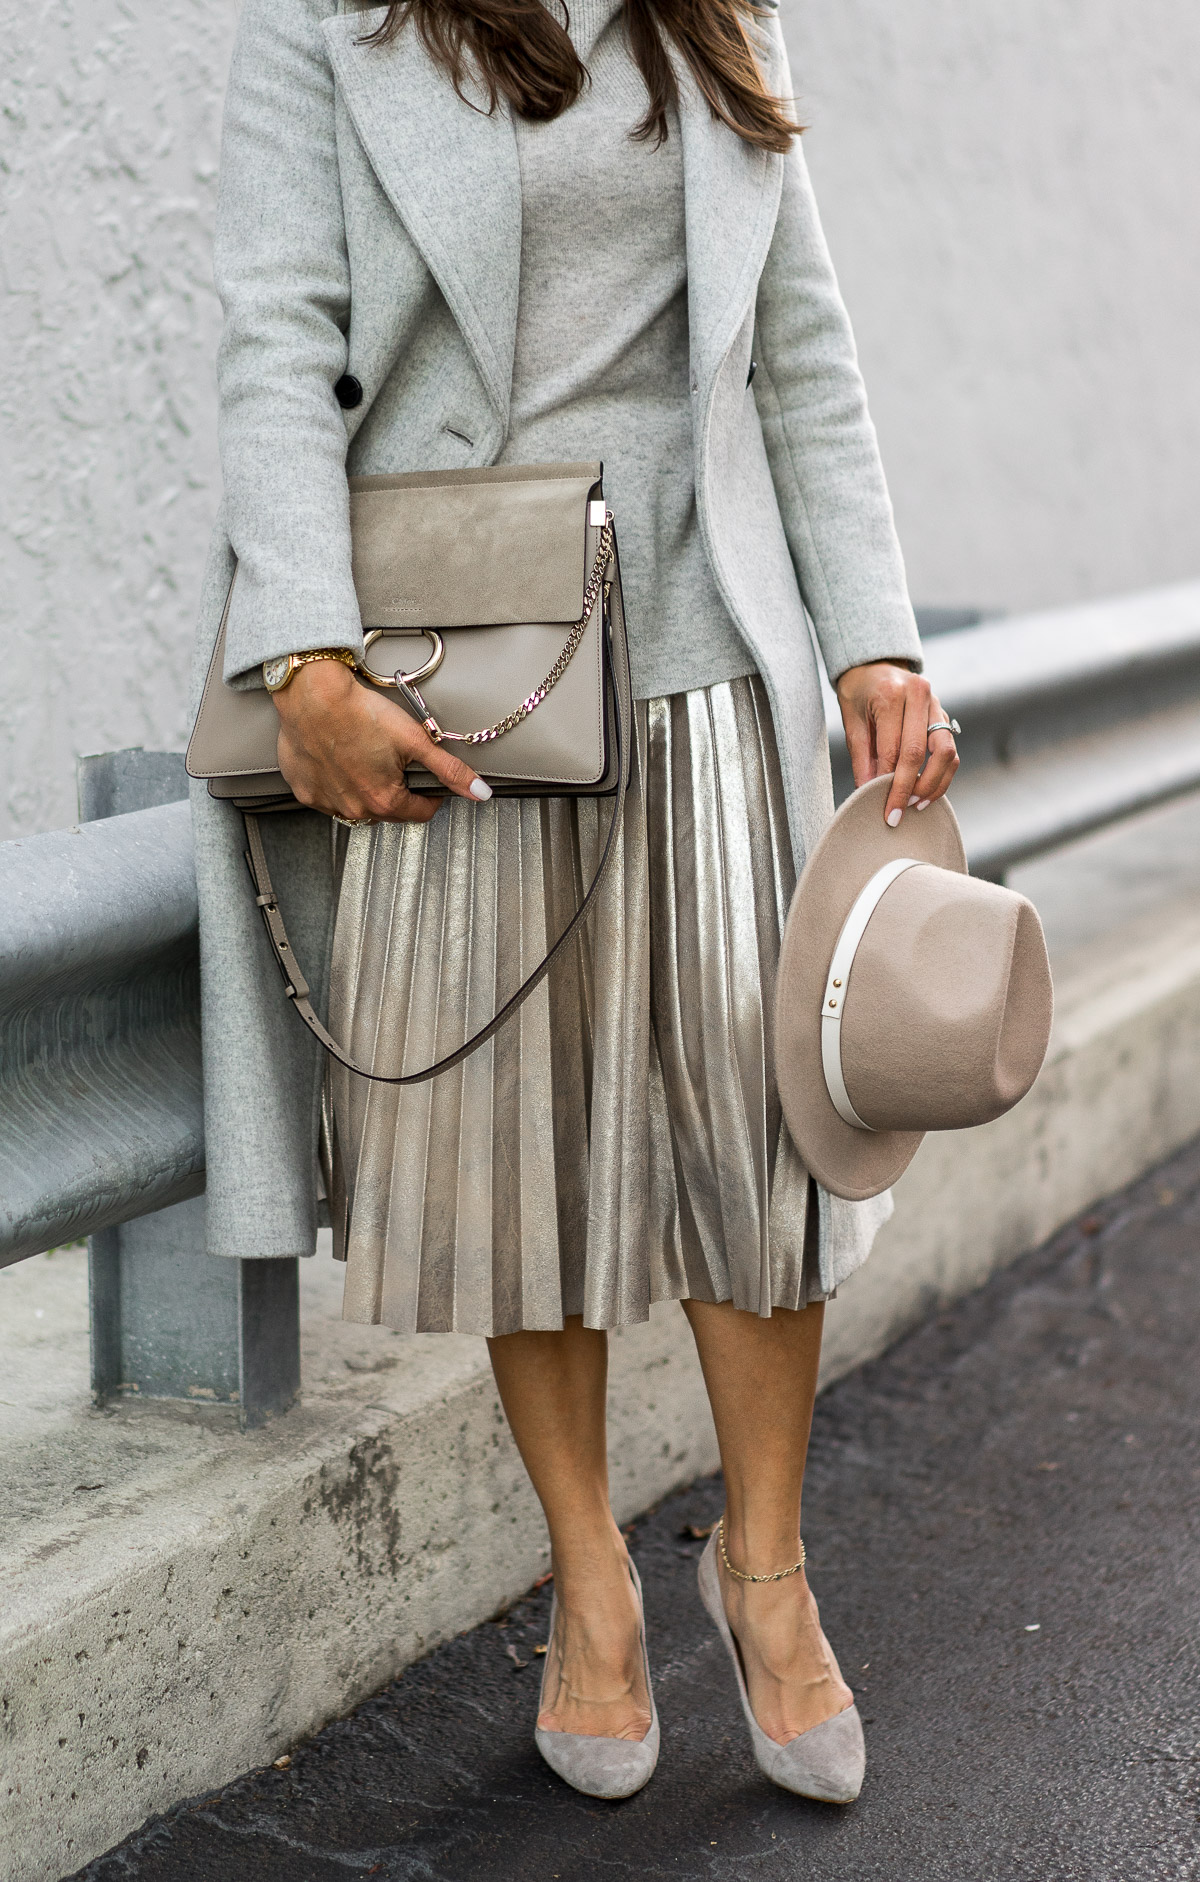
(463, 232)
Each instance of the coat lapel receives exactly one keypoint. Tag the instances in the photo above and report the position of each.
(731, 199)
(451, 174)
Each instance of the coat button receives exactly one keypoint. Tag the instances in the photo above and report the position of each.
(348, 392)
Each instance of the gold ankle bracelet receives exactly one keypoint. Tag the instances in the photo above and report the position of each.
(781, 1574)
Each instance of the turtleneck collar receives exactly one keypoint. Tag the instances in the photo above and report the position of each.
(587, 20)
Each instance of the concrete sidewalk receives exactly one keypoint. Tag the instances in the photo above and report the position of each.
(1002, 1525)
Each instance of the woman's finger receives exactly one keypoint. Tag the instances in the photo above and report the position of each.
(859, 745)
(940, 768)
(419, 748)
(942, 762)
(887, 713)
(910, 756)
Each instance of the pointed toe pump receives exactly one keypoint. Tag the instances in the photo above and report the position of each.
(603, 1767)
(827, 1762)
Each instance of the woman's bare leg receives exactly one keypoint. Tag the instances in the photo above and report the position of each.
(762, 1378)
(552, 1387)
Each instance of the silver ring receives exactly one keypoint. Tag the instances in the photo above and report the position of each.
(354, 823)
(943, 725)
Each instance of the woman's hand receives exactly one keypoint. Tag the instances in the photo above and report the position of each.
(886, 711)
(344, 750)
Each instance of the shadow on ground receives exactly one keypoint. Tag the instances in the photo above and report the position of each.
(1002, 1524)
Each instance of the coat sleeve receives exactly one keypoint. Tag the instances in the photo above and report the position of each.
(283, 277)
(821, 443)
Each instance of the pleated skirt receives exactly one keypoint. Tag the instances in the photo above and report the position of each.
(619, 1141)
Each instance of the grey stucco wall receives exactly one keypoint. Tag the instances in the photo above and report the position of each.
(109, 126)
(1010, 193)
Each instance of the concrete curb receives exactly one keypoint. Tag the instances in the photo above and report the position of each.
(181, 1602)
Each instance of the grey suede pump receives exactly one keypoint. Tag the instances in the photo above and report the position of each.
(602, 1767)
(829, 1761)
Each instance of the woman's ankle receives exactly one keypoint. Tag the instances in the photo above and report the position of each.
(759, 1546)
(588, 1559)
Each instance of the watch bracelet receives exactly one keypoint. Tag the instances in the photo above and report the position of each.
(327, 653)
(342, 654)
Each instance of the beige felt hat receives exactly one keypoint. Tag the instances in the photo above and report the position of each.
(910, 996)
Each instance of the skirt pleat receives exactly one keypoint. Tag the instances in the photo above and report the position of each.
(620, 1140)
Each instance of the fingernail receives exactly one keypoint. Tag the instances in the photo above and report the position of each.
(925, 803)
(914, 799)
(894, 817)
(480, 790)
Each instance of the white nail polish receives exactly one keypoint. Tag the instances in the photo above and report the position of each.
(894, 817)
(924, 803)
(914, 799)
(481, 790)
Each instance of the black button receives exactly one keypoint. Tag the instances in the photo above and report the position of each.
(348, 392)
(752, 371)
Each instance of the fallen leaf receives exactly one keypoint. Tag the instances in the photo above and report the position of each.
(692, 1532)
(539, 1650)
(284, 1763)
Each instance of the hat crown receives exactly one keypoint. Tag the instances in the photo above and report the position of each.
(947, 1007)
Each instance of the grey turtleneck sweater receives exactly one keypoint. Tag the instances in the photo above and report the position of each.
(602, 357)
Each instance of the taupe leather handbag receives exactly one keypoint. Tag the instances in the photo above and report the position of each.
(492, 609)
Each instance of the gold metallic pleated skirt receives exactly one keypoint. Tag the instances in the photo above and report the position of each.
(620, 1140)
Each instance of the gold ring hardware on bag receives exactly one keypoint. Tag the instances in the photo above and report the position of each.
(403, 679)
(407, 683)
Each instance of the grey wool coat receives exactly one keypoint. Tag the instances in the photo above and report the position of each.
(370, 223)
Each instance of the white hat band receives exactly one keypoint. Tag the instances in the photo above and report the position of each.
(853, 929)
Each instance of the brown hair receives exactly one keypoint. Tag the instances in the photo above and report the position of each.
(523, 55)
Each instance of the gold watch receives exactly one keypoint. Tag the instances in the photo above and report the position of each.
(277, 673)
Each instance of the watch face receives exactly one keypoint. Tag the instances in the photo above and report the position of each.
(275, 672)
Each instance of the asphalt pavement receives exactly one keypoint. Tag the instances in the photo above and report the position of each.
(1002, 1523)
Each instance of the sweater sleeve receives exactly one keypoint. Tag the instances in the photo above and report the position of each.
(283, 277)
(821, 443)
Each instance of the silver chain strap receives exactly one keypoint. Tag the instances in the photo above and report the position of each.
(530, 704)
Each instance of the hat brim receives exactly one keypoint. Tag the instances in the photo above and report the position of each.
(851, 1163)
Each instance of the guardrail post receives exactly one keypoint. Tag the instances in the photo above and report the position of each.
(168, 1320)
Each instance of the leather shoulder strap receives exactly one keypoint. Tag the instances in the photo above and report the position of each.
(297, 987)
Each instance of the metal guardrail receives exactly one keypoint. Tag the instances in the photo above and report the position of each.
(101, 1113)
(1072, 719)
(100, 1093)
